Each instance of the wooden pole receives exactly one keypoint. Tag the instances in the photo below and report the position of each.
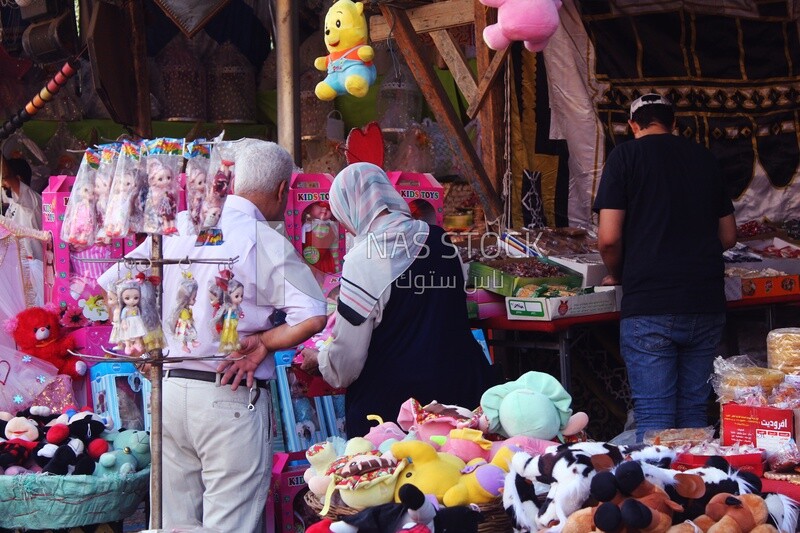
(143, 129)
(439, 103)
(491, 113)
(286, 44)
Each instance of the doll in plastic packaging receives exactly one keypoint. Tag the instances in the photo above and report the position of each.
(231, 311)
(112, 303)
(181, 320)
(217, 192)
(79, 226)
(132, 328)
(162, 202)
(102, 188)
(125, 191)
(197, 162)
(120, 205)
(321, 238)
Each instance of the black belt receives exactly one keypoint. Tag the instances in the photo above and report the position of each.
(210, 377)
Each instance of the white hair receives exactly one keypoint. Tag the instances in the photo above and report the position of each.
(261, 166)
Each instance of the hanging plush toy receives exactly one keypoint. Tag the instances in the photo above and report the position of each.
(349, 61)
(530, 21)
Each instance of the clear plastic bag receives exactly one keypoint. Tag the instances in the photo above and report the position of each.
(198, 158)
(80, 224)
(163, 164)
(737, 376)
(103, 179)
(217, 190)
(124, 211)
(415, 151)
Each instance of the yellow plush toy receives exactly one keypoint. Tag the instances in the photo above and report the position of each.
(349, 61)
(481, 482)
(430, 471)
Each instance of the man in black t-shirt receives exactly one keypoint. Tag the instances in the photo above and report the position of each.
(664, 223)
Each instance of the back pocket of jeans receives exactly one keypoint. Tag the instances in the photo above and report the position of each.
(653, 333)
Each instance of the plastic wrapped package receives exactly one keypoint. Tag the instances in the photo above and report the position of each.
(197, 156)
(123, 213)
(786, 458)
(415, 151)
(218, 185)
(783, 350)
(674, 438)
(736, 377)
(103, 179)
(80, 225)
(787, 394)
(163, 164)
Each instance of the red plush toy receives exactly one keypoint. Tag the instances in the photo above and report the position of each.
(37, 332)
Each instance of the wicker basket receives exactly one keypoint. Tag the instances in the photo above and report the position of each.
(495, 518)
(56, 502)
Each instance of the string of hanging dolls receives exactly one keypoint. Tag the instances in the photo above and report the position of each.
(134, 187)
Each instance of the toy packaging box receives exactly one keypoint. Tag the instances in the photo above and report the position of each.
(75, 282)
(285, 503)
(309, 226)
(424, 195)
(302, 418)
(121, 394)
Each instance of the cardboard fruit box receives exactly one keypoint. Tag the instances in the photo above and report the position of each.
(590, 266)
(603, 300)
(490, 276)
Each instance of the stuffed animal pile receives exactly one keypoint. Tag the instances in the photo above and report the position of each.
(441, 459)
(75, 442)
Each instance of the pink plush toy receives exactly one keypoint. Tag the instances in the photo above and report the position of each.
(383, 431)
(531, 21)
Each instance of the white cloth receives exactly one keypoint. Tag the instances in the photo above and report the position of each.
(25, 208)
(273, 274)
(384, 246)
(342, 359)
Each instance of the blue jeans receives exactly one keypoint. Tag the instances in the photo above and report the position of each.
(670, 359)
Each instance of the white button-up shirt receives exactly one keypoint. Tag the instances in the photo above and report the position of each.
(273, 274)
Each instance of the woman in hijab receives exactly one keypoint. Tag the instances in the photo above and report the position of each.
(401, 328)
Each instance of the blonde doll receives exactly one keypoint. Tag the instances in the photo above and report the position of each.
(132, 328)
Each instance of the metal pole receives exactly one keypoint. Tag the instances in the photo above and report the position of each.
(286, 45)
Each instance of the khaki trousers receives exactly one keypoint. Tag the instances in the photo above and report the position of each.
(217, 457)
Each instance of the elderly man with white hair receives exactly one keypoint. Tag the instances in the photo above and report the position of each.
(217, 451)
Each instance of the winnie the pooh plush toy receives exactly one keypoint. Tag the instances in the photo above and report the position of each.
(349, 61)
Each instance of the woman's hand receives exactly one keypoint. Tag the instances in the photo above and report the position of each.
(310, 362)
(242, 364)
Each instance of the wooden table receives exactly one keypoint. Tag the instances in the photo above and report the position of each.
(567, 330)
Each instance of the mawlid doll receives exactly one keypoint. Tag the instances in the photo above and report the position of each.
(131, 325)
(231, 311)
(181, 319)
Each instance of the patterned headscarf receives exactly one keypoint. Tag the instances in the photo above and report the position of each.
(384, 246)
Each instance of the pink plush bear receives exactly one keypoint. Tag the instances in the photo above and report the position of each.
(531, 21)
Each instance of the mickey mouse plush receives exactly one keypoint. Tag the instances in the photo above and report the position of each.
(37, 332)
(79, 444)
